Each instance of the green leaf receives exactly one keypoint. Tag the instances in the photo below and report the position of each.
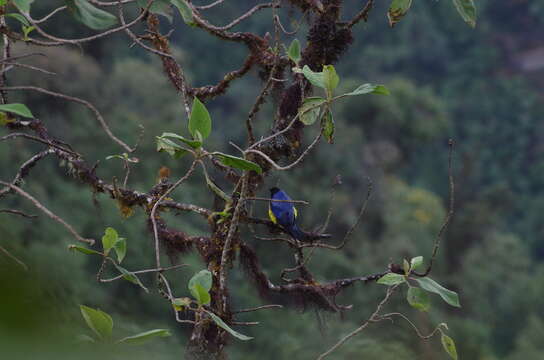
(369, 89)
(144, 337)
(99, 322)
(109, 239)
(170, 147)
(195, 144)
(120, 247)
(86, 13)
(180, 303)
(397, 10)
(449, 346)
(330, 78)
(416, 262)
(19, 18)
(418, 298)
(406, 266)
(310, 109)
(159, 7)
(204, 278)
(328, 126)
(18, 109)
(185, 11)
(27, 30)
(467, 10)
(238, 163)
(200, 294)
(127, 275)
(448, 296)
(391, 279)
(200, 285)
(84, 250)
(23, 5)
(294, 51)
(315, 78)
(222, 324)
(200, 120)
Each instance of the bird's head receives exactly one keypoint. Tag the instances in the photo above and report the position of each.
(274, 190)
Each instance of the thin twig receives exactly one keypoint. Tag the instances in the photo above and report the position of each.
(85, 103)
(352, 228)
(11, 256)
(209, 6)
(17, 212)
(226, 245)
(263, 307)
(156, 205)
(373, 317)
(145, 271)
(276, 200)
(293, 164)
(419, 334)
(171, 298)
(450, 213)
(35, 138)
(363, 14)
(48, 212)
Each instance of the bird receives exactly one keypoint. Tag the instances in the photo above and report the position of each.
(284, 213)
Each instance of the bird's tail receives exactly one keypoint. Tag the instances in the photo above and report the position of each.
(296, 233)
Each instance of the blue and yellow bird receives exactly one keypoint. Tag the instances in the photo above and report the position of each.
(284, 213)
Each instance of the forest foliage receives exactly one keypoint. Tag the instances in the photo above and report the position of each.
(444, 79)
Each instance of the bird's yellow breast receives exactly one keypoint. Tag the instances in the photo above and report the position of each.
(272, 216)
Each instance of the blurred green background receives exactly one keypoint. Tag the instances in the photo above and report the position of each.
(481, 87)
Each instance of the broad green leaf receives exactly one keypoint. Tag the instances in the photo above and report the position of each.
(195, 144)
(391, 279)
(109, 239)
(18, 109)
(467, 10)
(369, 89)
(120, 247)
(406, 266)
(310, 109)
(84, 250)
(180, 303)
(170, 147)
(330, 77)
(328, 126)
(200, 285)
(449, 346)
(448, 296)
(204, 278)
(200, 120)
(418, 298)
(19, 18)
(200, 294)
(27, 30)
(127, 275)
(294, 51)
(23, 5)
(416, 262)
(86, 13)
(238, 163)
(159, 7)
(185, 11)
(144, 337)
(315, 78)
(222, 324)
(397, 10)
(99, 322)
